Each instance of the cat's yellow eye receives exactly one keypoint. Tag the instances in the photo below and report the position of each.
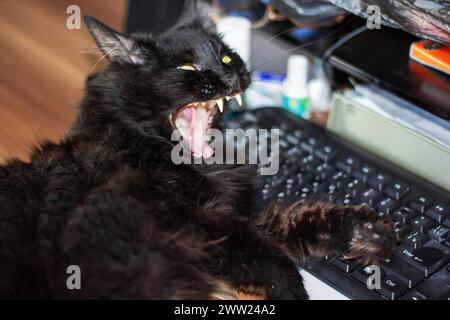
(226, 59)
(187, 67)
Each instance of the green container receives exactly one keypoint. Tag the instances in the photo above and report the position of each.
(390, 140)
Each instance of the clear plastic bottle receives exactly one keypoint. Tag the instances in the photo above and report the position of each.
(295, 86)
(319, 93)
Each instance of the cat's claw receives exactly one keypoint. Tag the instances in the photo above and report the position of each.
(372, 239)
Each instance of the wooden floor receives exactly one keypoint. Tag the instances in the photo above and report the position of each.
(43, 66)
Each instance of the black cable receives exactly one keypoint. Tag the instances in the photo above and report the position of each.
(342, 41)
(327, 68)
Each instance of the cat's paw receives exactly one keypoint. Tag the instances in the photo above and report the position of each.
(372, 238)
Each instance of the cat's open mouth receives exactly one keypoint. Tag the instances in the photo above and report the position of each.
(193, 122)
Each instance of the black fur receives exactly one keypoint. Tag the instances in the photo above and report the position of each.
(109, 199)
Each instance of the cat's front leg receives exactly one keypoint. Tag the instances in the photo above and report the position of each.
(320, 229)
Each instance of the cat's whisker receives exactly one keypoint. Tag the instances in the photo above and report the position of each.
(326, 38)
(88, 51)
(268, 41)
(289, 51)
(103, 57)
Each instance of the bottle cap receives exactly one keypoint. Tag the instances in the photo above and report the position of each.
(297, 70)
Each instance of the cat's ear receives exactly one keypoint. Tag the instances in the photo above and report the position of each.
(195, 14)
(113, 44)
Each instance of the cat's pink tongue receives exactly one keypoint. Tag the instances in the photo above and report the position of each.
(197, 131)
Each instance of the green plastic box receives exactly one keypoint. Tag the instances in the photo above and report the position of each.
(390, 140)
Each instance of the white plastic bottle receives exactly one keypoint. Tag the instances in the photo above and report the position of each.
(236, 32)
(295, 86)
(319, 96)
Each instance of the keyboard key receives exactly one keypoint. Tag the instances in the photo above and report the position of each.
(326, 153)
(295, 152)
(266, 194)
(283, 144)
(421, 204)
(397, 190)
(402, 230)
(324, 171)
(403, 271)
(387, 205)
(327, 257)
(362, 274)
(436, 287)
(371, 196)
(277, 180)
(428, 259)
(364, 173)
(340, 178)
(292, 139)
(439, 233)
(317, 186)
(331, 193)
(414, 295)
(298, 133)
(310, 145)
(304, 193)
(392, 288)
(447, 243)
(380, 181)
(347, 164)
(416, 239)
(446, 223)
(354, 187)
(438, 212)
(404, 215)
(423, 224)
(347, 200)
(344, 265)
(289, 169)
(308, 164)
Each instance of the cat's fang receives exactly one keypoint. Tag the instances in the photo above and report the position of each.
(239, 99)
(220, 104)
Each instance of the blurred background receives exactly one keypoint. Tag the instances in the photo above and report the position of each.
(44, 64)
(43, 68)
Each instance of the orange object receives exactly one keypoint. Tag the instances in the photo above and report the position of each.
(431, 54)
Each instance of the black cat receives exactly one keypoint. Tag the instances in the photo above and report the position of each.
(109, 199)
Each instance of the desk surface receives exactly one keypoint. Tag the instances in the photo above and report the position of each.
(318, 290)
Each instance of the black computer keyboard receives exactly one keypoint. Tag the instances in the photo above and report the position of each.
(316, 164)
